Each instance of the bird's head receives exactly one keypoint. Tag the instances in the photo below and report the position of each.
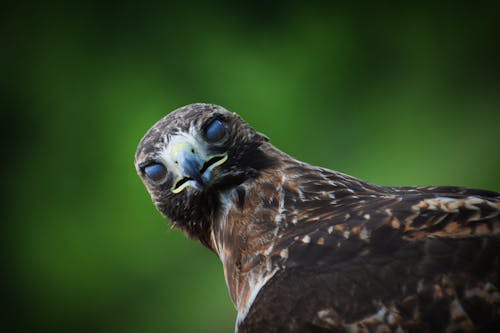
(190, 158)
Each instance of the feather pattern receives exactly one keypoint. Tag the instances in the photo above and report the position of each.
(307, 249)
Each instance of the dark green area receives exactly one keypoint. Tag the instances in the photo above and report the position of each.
(399, 96)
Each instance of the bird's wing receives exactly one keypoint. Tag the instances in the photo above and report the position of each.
(422, 259)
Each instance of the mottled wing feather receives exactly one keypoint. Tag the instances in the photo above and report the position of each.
(382, 259)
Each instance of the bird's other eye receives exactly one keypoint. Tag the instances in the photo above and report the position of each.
(155, 171)
(215, 131)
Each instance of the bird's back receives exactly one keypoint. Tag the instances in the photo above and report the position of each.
(366, 258)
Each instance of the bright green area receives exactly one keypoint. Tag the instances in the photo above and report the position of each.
(399, 96)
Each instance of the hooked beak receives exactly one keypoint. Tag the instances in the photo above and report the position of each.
(193, 167)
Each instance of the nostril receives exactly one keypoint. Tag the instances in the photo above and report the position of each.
(192, 151)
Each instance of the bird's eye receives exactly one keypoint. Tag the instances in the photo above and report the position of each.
(155, 171)
(215, 131)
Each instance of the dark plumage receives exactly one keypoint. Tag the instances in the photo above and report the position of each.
(306, 249)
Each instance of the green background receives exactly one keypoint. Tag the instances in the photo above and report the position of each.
(396, 96)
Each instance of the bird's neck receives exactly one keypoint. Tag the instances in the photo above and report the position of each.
(245, 235)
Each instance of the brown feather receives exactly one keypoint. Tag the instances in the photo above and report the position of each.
(306, 249)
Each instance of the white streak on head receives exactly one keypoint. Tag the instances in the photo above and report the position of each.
(177, 142)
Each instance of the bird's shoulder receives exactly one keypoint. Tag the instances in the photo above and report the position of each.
(351, 253)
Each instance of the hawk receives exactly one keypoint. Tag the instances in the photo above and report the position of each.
(307, 249)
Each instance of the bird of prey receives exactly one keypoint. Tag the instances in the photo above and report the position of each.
(307, 249)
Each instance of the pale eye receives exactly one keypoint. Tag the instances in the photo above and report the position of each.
(155, 171)
(215, 131)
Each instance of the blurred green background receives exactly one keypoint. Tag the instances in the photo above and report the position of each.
(397, 96)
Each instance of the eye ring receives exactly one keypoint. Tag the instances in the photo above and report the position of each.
(155, 171)
(215, 130)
